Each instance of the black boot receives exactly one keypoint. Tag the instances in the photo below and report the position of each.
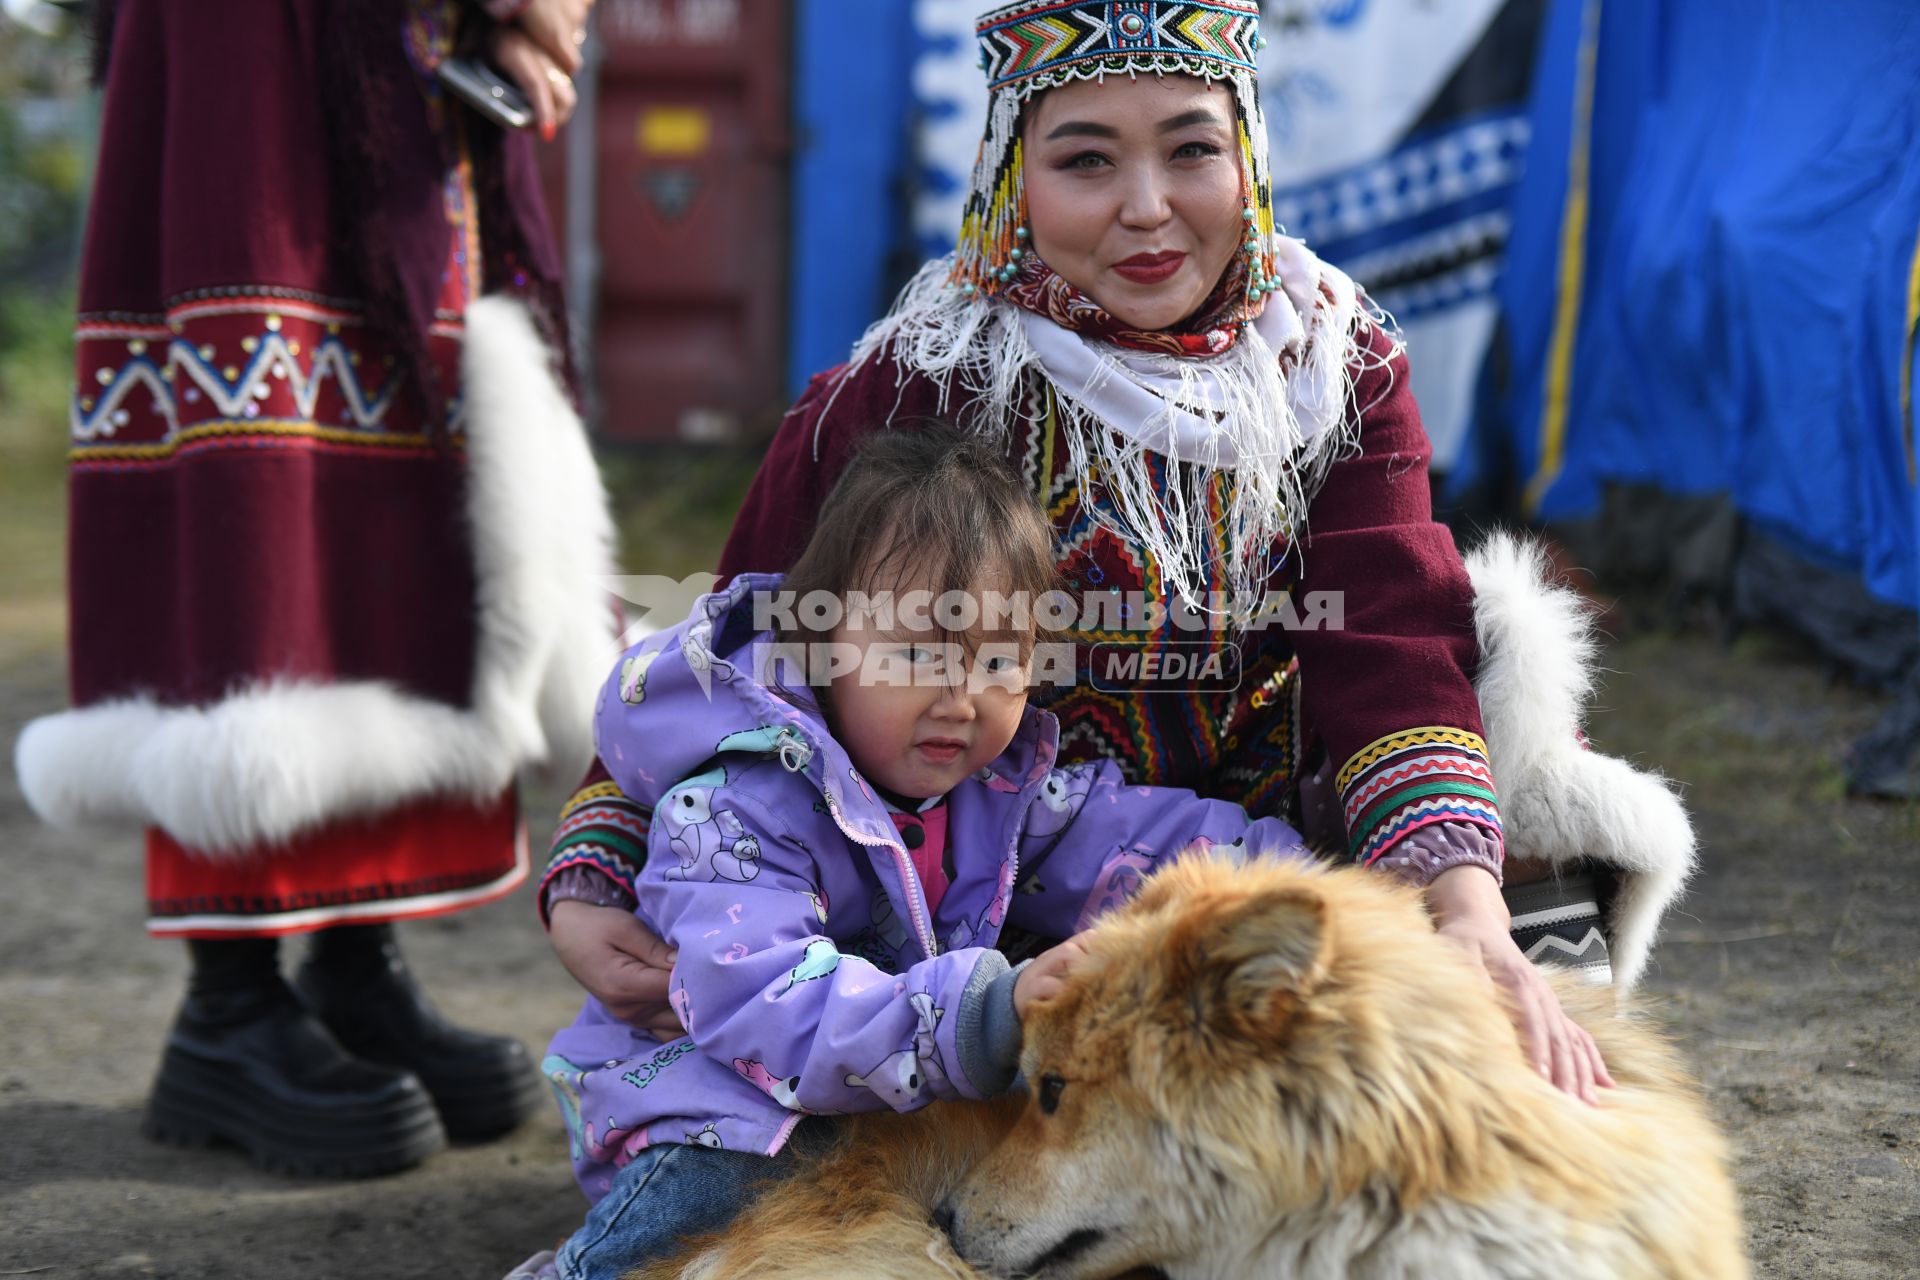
(246, 1063)
(358, 984)
(1562, 920)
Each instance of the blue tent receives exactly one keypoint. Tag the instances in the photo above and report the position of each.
(1712, 286)
(1710, 279)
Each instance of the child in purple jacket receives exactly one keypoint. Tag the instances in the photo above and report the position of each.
(849, 811)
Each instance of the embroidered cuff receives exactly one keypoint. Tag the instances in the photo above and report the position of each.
(603, 831)
(1421, 855)
(987, 1037)
(1415, 779)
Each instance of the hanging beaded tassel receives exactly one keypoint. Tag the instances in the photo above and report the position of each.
(1257, 192)
(993, 231)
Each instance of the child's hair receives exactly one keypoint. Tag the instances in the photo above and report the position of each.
(925, 502)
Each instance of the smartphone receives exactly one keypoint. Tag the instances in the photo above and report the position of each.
(486, 91)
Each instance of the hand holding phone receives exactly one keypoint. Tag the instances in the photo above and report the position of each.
(486, 91)
(547, 88)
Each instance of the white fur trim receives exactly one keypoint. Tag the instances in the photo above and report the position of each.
(279, 757)
(543, 545)
(1559, 803)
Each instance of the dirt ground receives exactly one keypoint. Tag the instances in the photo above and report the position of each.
(1791, 978)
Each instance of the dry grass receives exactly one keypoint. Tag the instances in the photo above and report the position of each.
(36, 358)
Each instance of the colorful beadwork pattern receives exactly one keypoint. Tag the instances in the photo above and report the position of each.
(1040, 41)
(1031, 46)
(1412, 779)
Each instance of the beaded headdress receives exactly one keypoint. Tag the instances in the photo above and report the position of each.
(1207, 455)
(1035, 45)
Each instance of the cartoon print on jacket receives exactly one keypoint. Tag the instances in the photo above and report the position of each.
(649, 1071)
(709, 845)
(618, 1147)
(682, 1005)
(707, 1137)
(1118, 881)
(633, 678)
(781, 1091)
(821, 959)
(992, 918)
(1061, 798)
(884, 936)
(897, 1081)
(924, 1045)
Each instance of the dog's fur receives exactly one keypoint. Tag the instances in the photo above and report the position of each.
(1272, 1070)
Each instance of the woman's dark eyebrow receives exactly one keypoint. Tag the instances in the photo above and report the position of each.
(1200, 115)
(1083, 128)
(1089, 129)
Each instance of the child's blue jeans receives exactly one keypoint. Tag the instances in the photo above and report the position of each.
(673, 1191)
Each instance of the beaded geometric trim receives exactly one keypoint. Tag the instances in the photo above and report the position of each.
(1039, 42)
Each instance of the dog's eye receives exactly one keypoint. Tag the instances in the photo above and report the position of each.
(1049, 1095)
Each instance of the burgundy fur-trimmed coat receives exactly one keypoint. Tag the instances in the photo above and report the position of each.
(337, 542)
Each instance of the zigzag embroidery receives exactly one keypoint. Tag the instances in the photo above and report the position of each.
(272, 358)
(1372, 789)
(1401, 821)
(1397, 742)
(587, 795)
(604, 816)
(1035, 42)
(593, 855)
(1099, 31)
(1037, 38)
(1444, 791)
(1554, 942)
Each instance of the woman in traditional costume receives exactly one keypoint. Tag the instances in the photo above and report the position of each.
(1210, 416)
(336, 548)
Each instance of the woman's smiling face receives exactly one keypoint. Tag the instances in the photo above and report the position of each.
(1134, 192)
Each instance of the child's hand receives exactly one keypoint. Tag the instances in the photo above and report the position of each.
(1046, 977)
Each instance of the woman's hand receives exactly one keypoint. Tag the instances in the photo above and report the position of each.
(559, 28)
(548, 88)
(1046, 977)
(619, 961)
(1468, 909)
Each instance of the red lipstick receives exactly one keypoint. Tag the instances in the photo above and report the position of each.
(1150, 268)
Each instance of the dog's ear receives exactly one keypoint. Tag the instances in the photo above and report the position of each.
(1242, 963)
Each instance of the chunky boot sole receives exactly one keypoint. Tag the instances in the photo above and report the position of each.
(479, 1110)
(200, 1101)
(484, 1085)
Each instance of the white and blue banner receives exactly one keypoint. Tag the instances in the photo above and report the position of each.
(1398, 130)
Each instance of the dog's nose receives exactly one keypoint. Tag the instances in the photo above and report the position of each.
(943, 1218)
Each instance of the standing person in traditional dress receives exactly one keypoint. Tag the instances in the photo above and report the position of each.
(336, 545)
(1207, 413)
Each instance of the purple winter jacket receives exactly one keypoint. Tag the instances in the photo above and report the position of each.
(811, 975)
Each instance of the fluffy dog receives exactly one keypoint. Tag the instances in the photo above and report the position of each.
(1271, 1070)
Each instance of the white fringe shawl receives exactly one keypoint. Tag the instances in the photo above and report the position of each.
(1277, 433)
